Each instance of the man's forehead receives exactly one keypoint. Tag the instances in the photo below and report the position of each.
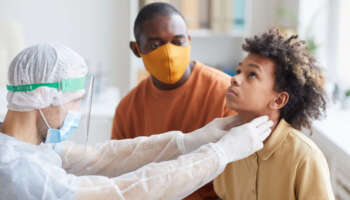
(157, 26)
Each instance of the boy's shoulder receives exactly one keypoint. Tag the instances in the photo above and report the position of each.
(302, 145)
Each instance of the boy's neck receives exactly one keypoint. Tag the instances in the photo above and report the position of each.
(249, 116)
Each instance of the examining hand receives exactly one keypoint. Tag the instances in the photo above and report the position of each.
(244, 140)
(210, 133)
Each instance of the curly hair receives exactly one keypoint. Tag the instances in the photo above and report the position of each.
(296, 72)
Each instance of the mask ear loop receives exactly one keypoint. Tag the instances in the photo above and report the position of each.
(44, 118)
(45, 121)
(65, 111)
(138, 49)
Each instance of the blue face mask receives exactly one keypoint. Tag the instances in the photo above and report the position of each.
(70, 124)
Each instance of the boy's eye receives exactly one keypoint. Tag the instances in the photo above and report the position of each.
(238, 71)
(252, 75)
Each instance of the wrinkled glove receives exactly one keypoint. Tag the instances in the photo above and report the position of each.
(210, 133)
(242, 141)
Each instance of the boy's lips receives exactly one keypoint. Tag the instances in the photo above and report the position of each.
(231, 92)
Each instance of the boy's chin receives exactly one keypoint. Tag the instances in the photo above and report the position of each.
(232, 106)
(239, 109)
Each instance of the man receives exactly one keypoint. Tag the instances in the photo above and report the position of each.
(281, 79)
(178, 94)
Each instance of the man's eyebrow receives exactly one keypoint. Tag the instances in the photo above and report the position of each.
(255, 66)
(159, 39)
(179, 36)
(154, 39)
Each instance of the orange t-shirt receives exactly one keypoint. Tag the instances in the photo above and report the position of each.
(146, 110)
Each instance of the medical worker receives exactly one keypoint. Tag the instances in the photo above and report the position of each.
(46, 87)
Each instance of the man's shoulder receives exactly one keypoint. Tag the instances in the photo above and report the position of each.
(211, 74)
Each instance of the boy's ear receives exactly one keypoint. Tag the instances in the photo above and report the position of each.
(134, 49)
(279, 101)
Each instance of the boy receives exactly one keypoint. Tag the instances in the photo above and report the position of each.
(278, 78)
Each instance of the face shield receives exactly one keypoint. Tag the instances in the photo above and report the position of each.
(70, 120)
(81, 135)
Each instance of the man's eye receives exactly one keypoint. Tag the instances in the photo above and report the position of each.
(238, 71)
(155, 45)
(252, 75)
(178, 43)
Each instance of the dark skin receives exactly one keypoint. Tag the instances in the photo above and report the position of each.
(157, 32)
(252, 92)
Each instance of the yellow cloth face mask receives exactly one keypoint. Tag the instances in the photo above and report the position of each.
(168, 62)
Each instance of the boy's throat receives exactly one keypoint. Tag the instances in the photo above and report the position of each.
(249, 116)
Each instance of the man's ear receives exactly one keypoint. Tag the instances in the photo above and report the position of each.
(279, 101)
(134, 49)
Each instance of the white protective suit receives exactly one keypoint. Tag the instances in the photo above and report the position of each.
(47, 172)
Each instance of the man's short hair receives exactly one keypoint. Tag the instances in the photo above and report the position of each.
(152, 11)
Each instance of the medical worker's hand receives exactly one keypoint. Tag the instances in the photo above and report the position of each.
(210, 133)
(244, 140)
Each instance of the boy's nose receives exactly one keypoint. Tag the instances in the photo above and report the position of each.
(235, 80)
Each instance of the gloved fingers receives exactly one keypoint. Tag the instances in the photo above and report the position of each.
(259, 121)
(265, 134)
(259, 146)
(264, 126)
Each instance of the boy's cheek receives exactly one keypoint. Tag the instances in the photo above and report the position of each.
(256, 99)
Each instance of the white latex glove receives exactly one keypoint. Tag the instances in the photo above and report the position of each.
(244, 140)
(210, 133)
